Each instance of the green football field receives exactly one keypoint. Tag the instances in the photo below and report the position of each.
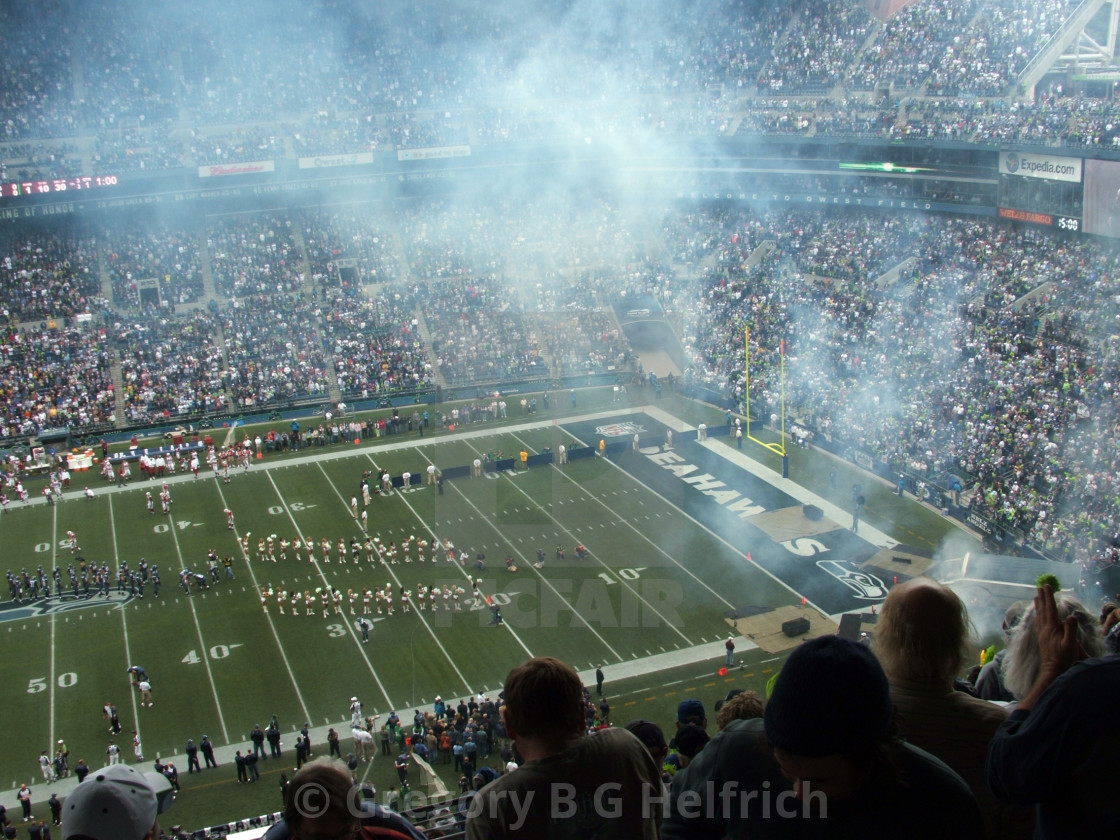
(650, 602)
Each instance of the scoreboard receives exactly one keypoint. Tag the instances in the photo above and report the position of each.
(22, 189)
(1042, 189)
(1102, 197)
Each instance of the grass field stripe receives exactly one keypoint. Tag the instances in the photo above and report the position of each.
(570, 535)
(533, 503)
(268, 615)
(198, 627)
(400, 587)
(623, 581)
(322, 575)
(483, 518)
(463, 571)
(124, 618)
(641, 535)
(656, 547)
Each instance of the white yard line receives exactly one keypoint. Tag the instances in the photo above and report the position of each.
(765, 476)
(322, 575)
(595, 558)
(268, 616)
(124, 618)
(638, 533)
(658, 662)
(54, 564)
(198, 627)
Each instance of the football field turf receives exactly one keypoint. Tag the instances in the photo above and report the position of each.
(686, 545)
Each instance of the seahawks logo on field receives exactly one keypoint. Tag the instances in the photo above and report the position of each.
(12, 611)
(619, 429)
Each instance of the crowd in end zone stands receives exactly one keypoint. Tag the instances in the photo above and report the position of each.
(966, 365)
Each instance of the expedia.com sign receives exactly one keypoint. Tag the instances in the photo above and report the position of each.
(1050, 167)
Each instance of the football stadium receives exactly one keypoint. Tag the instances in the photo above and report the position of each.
(356, 354)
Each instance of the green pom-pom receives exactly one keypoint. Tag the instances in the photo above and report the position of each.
(1051, 580)
(770, 685)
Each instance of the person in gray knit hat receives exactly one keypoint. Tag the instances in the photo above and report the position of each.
(116, 803)
(823, 762)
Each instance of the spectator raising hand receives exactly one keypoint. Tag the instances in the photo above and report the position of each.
(1058, 643)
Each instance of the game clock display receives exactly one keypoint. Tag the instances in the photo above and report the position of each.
(1041, 201)
(20, 189)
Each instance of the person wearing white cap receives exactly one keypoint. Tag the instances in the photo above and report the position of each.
(116, 803)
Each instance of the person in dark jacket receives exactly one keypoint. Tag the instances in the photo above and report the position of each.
(207, 750)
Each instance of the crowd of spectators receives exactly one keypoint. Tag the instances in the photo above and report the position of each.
(306, 85)
(327, 135)
(273, 350)
(128, 76)
(455, 240)
(254, 255)
(46, 274)
(816, 52)
(375, 345)
(336, 238)
(163, 253)
(53, 376)
(35, 161)
(1025, 320)
(911, 44)
(135, 149)
(1022, 417)
(36, 80)
(575, 331)
(473, 337)
(419, 131)
(240, 146)
(169, 366)
(990, 51)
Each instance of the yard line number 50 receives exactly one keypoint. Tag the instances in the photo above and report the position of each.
(67, 680)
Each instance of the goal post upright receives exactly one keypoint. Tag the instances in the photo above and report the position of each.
(778, 448)
(747, 377)
(782, 371)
